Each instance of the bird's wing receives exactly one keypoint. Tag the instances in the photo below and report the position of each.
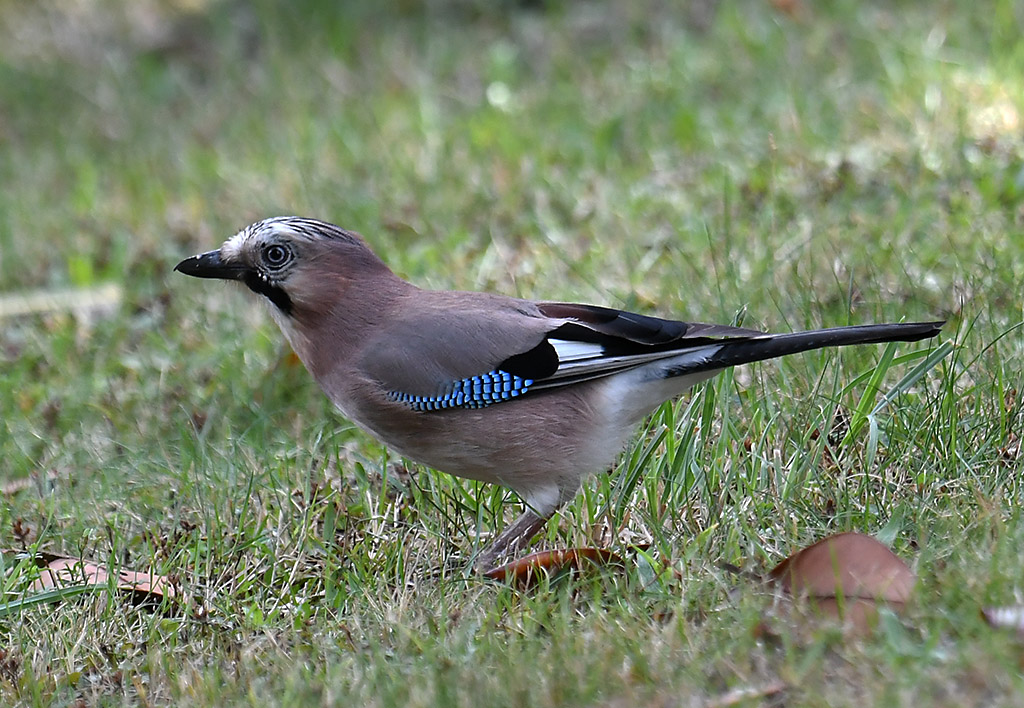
(479, 350)
(598, 341)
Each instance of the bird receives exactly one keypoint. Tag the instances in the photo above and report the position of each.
(532, 395)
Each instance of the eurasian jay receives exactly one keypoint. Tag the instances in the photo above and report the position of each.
(530, 395)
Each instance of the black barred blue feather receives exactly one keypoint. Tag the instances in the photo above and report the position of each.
(472, 392)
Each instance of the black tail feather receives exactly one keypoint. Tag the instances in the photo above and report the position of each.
(745, 351)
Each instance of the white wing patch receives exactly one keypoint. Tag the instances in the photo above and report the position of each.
(580, 361)
(575, 351)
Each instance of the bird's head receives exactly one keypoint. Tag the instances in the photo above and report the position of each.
(302, 266)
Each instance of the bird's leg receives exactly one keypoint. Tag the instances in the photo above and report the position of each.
(541, 504)
(512, 539)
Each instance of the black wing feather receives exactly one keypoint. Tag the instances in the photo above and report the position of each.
(626, 339)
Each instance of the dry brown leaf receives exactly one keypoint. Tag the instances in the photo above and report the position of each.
(1009, 617)
(64, 572)
(846, 576)
(526, 572)
(848, 565)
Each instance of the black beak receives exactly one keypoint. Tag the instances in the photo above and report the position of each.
(210, 265)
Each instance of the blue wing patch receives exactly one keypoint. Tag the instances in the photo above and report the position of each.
(472, 392)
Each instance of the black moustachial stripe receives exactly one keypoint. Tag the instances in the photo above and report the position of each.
(258, 284)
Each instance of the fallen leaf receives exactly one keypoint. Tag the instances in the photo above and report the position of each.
(525, 572)
(65, 572)
(847, 576)
(847, 564)
(58, 572)
(1009, 617)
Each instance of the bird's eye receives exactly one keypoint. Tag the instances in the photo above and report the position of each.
(276, 255)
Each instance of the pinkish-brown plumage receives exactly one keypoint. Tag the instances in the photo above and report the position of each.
(533, 396)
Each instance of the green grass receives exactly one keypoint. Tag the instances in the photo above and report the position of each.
(709, 161)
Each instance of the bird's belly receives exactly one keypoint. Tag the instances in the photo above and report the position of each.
(545, 438)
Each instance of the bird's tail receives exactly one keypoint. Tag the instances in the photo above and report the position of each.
(744, 351)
